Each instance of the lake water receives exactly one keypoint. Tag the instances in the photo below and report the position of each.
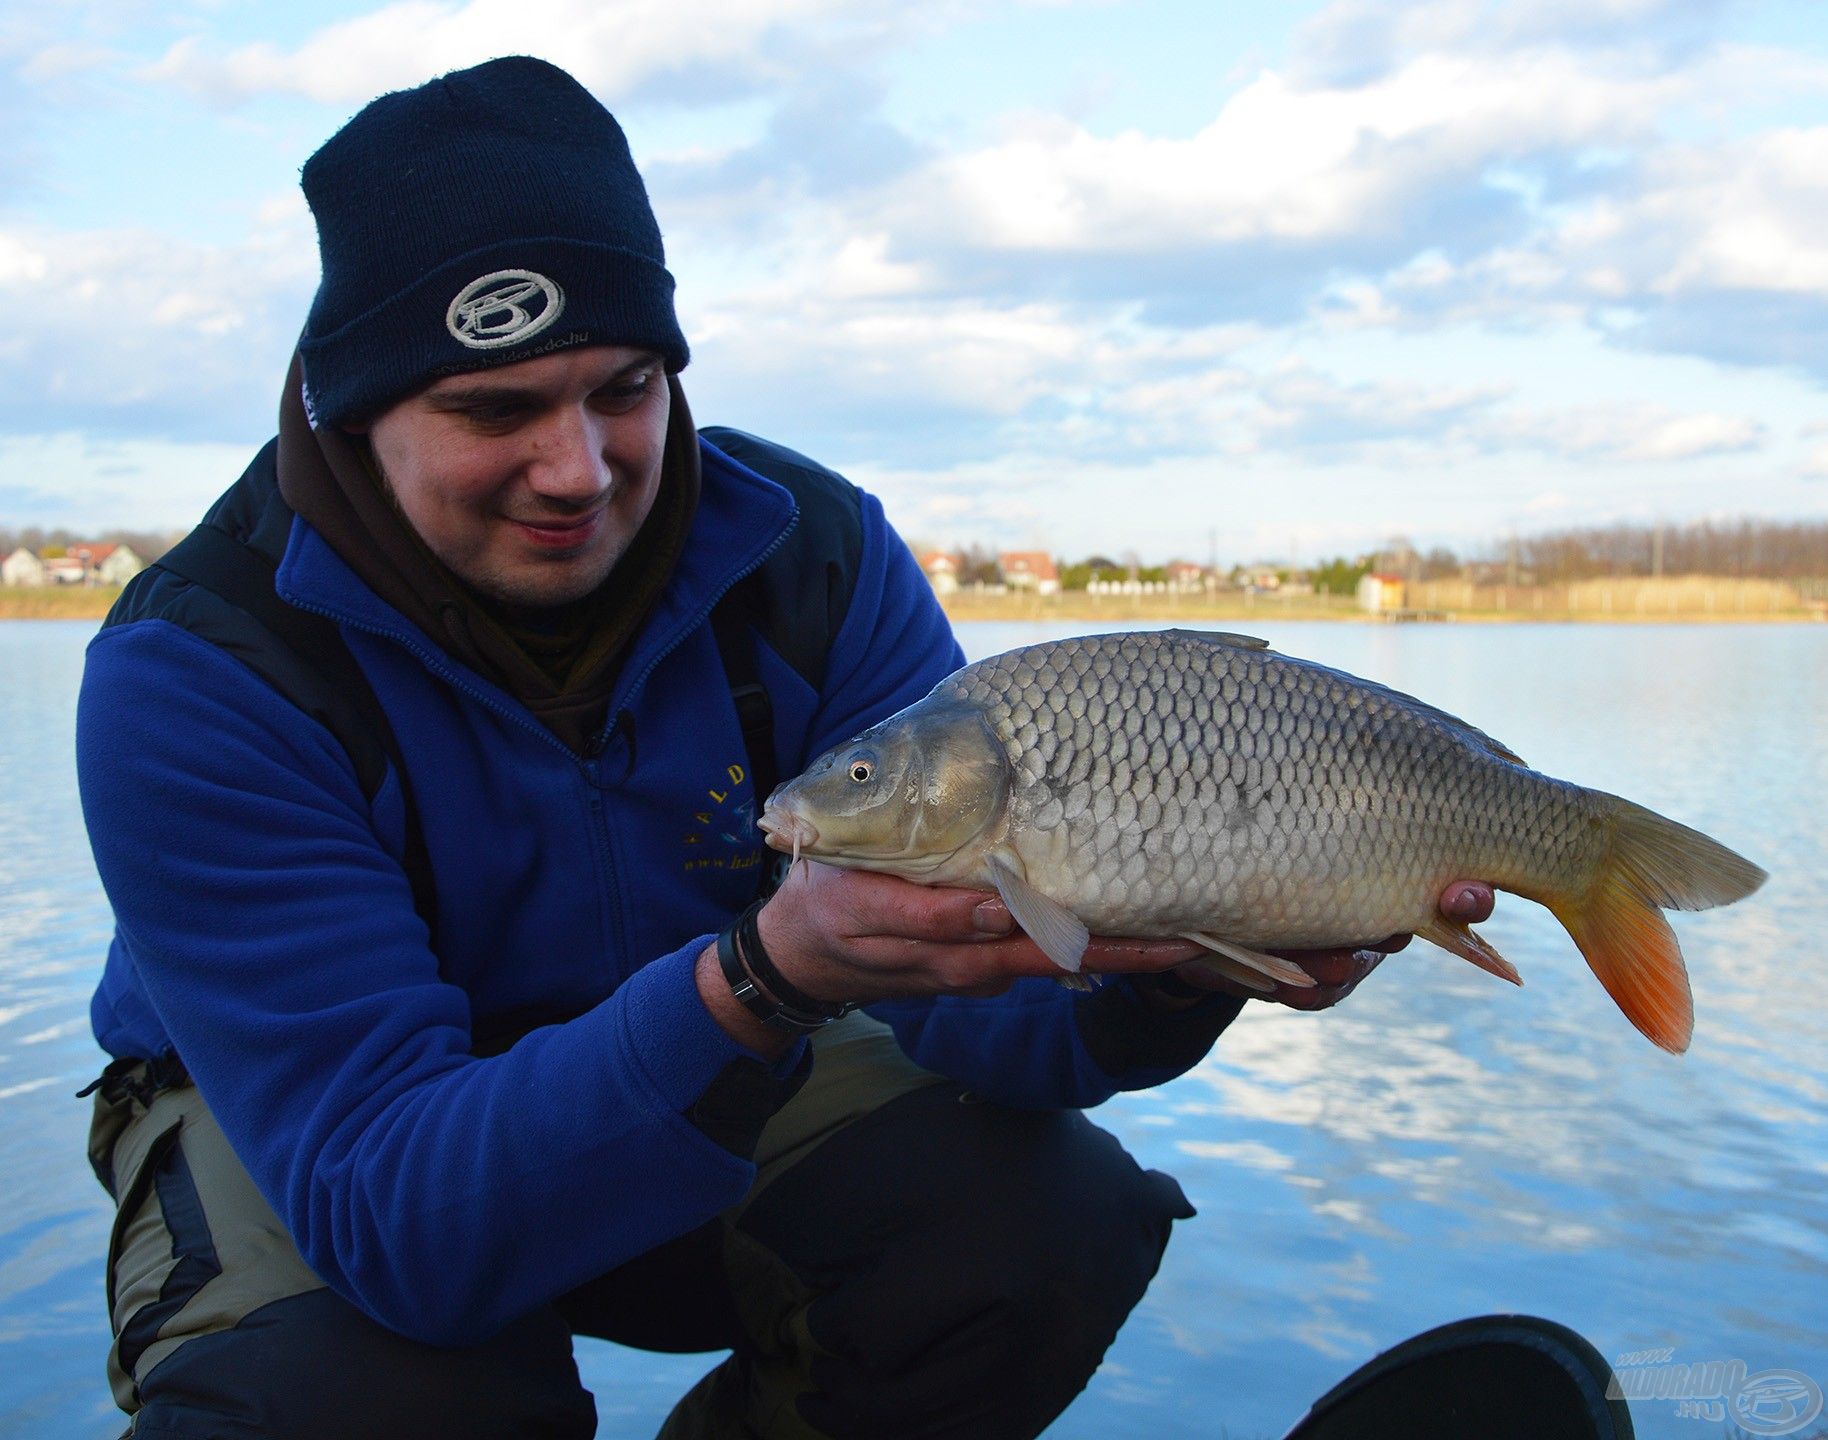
(1441, 1145)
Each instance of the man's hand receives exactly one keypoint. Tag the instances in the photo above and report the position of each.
(854, 935)
(1338, 972)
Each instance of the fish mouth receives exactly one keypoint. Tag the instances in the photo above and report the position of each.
(787, 832)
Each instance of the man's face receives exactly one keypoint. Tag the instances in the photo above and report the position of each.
(530, 480)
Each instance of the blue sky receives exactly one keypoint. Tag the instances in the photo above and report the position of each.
(1147, 277)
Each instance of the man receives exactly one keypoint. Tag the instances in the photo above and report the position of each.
(425, 1064)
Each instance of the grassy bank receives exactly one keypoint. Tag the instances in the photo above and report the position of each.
(56, 602)
(1687, 600)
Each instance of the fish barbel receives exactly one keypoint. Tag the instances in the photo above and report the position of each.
(1194, 783)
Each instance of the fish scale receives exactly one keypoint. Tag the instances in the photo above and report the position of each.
(1156, 783)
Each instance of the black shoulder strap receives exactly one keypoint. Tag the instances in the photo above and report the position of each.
(754, 710)
(298, 653)
(797, 600)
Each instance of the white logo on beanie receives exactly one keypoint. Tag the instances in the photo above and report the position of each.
(503, 307)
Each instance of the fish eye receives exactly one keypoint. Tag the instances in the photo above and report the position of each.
(861, 770)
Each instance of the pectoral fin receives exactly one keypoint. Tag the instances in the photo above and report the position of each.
(1047, 922)
(1459, 938)
(1285, 971)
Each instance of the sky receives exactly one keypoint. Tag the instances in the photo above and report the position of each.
(1164, 278)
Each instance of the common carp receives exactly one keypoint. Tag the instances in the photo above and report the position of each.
(1198, 784)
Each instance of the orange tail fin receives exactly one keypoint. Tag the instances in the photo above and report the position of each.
(1619, 926)
(1634, 953)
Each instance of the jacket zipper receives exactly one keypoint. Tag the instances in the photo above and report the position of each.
(599, 817)
(697, 619)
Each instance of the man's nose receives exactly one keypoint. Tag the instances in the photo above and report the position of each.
(569, 456)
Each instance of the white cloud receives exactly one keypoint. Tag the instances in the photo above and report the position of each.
(57, 61)
(1644, 432)
(1356, 37)
(20, 263)
(1305, 408)
(1747, 215)
(113, 331)
(1750, 216)
(613, 48)
(1287, 161)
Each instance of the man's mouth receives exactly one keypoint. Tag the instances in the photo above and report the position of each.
(561, 532)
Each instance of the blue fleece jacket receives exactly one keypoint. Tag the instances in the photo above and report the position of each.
(266, 929)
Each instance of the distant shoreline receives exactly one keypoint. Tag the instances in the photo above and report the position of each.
(85, 603)
(1734, 603)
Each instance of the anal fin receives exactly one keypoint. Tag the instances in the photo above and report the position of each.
(1226, 968)
(1286, 972)
(1458, 938)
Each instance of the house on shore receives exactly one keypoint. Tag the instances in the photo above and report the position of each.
(22, 567)
(1380, 591)
(1186, 577)
(1029, 570)
(940, 569)
(106, 564)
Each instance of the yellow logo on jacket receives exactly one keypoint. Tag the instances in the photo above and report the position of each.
(722, 835)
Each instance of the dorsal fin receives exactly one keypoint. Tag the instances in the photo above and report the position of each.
(1221, 637)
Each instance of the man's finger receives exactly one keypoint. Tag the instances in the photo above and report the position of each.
(1328, 967)
(992, 917)
(1341, 977)
(884, 905)
(1133, 957)
(1468, 901)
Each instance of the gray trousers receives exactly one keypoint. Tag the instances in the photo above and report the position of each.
(908, 1262)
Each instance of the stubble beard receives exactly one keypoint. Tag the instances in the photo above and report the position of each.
(544, 583)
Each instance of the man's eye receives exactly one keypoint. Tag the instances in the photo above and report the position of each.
(493, 417)
(625, 394)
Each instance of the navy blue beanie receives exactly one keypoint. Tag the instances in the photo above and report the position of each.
(486, 217)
